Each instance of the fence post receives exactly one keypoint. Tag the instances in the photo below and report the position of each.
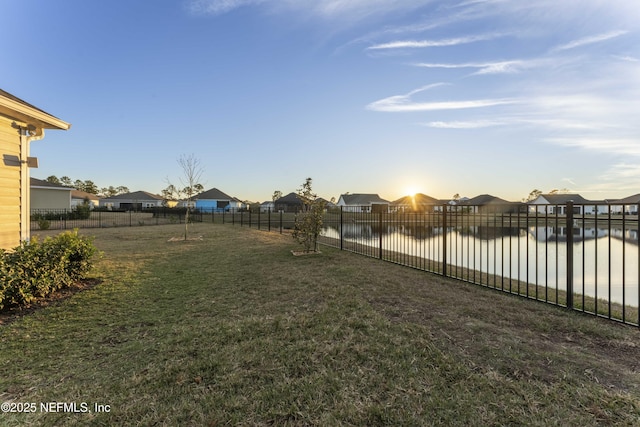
(341, 229)
(380, 234)
(444, 239)
(569, 225)
(280, 222)
(269, 219)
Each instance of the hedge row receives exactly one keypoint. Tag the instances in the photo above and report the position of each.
(36, 269)
(78, 212)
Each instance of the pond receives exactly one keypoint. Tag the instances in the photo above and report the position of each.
(605, 259)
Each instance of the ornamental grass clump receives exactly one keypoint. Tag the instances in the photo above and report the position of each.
(36, 268)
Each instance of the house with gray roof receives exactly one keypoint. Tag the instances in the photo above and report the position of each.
(214, 200)
(78, 198)
(490, 204)
(267, 206)
(135, 201)
(289, 203)
(362, 203)
(552, 204)
(47, 195)
(293, 203)
(416, 203)
(628, 205)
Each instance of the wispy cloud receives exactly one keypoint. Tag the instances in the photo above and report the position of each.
(412, 44)
(404, 103)
(339, 7)
(498, 67)
(324, 8)
(476, 124)
(617, 146)
(218, 7)
(626, 58)
(589, 40)
(623, 170)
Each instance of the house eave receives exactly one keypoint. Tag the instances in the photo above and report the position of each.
(38, 187)
(19, 111)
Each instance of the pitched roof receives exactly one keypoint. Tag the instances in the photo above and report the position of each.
(214, 194)
(39, 183)
(136, 195)
(291, 198)
(484, 199)
(362, 199)
(563, 198)
(628, 200)
(417, 199)
(77, 194)
(18, 109)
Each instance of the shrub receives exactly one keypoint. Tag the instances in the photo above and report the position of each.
(44, 224)
(82, 211)
(36, 269)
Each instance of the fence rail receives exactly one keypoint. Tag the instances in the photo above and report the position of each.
(582, 257)
(65, 219)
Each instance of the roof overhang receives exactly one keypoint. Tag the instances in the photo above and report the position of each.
(43, 187)
(30, 115)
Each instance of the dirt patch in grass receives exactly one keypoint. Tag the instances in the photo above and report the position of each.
(301, 253)
(11, 314)
(188, 239)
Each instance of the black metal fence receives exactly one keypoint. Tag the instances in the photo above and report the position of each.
(66, 219)
(255, 218)
(582, 257)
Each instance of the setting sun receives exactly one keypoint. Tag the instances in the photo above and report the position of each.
(410, 191)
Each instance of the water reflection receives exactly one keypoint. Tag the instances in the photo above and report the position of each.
(605, 259)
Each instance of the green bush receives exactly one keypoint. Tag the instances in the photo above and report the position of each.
(78, 212)
(82, 211)
(36, 269)
(44, 224)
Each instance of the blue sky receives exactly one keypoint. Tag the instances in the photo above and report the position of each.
(364, 96)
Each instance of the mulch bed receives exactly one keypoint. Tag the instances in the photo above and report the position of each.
(10, 314)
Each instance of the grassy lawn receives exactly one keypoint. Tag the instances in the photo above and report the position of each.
(234, 330)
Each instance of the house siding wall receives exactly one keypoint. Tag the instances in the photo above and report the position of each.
(206, 204)
(219, 205)
(129, 203)
(9, 185)
(50, 199)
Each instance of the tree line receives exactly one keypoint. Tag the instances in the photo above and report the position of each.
(88, 186)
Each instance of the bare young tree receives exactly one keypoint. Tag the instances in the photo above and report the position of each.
(191, 174)
(308, 223)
